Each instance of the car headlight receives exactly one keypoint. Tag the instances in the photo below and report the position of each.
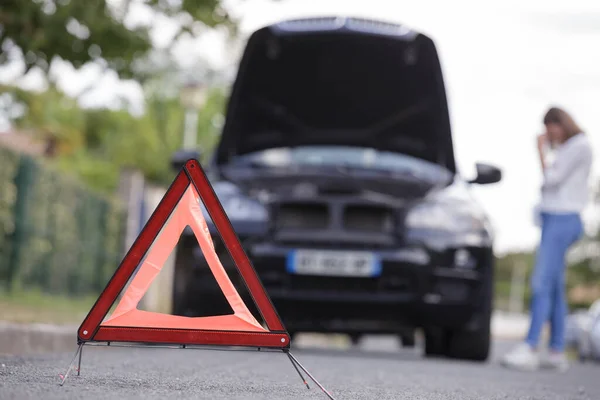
(445, 216)
(237, 206)
(244, 208)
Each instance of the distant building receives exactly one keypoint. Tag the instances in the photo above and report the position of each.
(25, 143)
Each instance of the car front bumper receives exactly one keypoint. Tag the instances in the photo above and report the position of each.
(417, 286)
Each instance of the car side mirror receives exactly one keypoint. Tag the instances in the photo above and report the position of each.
(487, 174)
(181, 156)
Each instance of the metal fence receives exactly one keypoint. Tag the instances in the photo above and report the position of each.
(56, 235)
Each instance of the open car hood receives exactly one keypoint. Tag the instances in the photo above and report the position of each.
(339, 81)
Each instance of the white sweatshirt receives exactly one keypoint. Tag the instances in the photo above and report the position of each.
(566, 186)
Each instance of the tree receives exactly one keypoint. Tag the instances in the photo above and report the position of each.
(50, 115)
(39, 31)
(95, 143)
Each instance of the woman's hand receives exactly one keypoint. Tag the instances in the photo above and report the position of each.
(542, 139)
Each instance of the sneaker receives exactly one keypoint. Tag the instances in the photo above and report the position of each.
(522, 357)
(555, 360)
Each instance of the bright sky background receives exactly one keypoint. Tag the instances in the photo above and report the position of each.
(504, 62)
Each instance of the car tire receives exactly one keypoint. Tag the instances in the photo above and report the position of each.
(407, 341)
(355, 339)
(471, 345)
(474, 341)
(182, 276)
(464, 345)
(436, 342)
(185, 295)
(293, 337)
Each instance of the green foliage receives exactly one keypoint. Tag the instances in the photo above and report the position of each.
(578, 275)
(9, 165)
(64, 238)
(506, 263)
(94, 30)
(50, 115)
(95, 144)
(504, 268)
(35, 306)
(582, 273)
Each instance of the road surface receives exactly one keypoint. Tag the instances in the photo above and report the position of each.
(378, 369)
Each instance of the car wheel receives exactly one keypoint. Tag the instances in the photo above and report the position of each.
(474, 341)
(194, 296)
(436, 343)
(472, 345)
(355, 339)
(407, 341)
(182, 276)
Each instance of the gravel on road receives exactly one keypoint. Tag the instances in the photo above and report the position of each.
(364, 373)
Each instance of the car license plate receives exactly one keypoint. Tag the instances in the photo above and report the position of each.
(333, 263)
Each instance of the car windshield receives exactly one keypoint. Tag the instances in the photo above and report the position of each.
(341, 156)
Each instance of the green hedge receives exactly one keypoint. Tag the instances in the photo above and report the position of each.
(56, 234)
(9, 166)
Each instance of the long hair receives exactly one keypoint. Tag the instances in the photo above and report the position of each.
(562, 118)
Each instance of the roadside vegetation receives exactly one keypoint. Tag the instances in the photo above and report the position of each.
(34, 306)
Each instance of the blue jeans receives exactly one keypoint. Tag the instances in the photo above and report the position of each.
(559, 232)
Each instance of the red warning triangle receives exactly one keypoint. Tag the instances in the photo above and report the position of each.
(180, 207)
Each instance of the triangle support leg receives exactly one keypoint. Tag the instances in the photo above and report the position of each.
(77, 353)
(79, 363)
(297, 370)
(295, 362)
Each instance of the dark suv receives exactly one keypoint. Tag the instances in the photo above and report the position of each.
(336, 168)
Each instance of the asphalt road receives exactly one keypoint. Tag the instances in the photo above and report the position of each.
(378, 369)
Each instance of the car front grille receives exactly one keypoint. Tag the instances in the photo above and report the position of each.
(302, 216)
(355, 217)
(368, 219)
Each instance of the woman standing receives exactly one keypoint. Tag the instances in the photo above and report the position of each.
(564, 195)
